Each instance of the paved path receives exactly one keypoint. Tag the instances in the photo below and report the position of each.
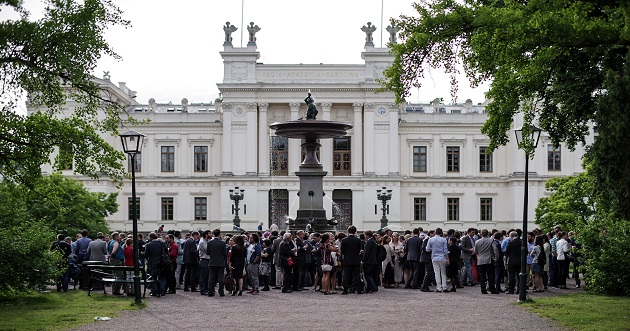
(467, 309)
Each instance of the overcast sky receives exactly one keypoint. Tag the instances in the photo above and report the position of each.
(172, 49)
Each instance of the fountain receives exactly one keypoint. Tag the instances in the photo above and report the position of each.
(311, 208)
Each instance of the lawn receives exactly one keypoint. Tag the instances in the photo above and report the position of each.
(585, 312)
(59, 311)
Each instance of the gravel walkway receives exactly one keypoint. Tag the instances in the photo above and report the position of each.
(467, 309)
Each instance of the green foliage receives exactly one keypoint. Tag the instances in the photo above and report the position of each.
(51, 60)
(605, 245)
(27, 262)
(571, 205)
(30, 219)
(564, 64)
(574, 205)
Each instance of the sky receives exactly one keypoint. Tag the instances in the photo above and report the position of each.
(171, 51)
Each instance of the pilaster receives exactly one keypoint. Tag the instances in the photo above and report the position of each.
(263, 140)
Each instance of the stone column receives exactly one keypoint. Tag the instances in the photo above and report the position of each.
(251, 137)
(370, 169)
(295, 152)
(357, 140)
(394, 158)
(226, 153)
(263, 140)
(326, 151)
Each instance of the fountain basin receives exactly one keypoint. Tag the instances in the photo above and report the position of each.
(310, 129)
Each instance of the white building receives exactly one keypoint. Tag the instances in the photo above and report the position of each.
(430, 155)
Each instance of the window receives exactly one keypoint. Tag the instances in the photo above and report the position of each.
(419, 158)
(485, 160)
(452, 209)
(341, 156)
(485, 209)
(137, 166)
(201, 209)
(167, 209)
(279, 156)
(201, 158)
(553, 158)
(130, 204)
(419, 209)
(168, 158)
(452, 158)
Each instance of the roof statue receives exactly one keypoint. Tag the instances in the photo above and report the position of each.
(369, 29)
(392, 29)
(229, 29)
(252, 29)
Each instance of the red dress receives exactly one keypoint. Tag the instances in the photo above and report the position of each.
(128, 253)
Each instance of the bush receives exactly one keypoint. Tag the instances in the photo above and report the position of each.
(27, 262)
(607, 268)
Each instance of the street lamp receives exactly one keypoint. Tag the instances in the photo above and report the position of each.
(527, 137)
(236, 195)
(384, 195)
(132, 145)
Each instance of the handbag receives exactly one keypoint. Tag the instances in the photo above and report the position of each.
(228, 282)
(290, 261)
(326, 267)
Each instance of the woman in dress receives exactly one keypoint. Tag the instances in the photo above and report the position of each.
(237, 263)
(265, 264)
(388, 264)
(398, 257)
(454, 258)
(327, 246)
(537, 269)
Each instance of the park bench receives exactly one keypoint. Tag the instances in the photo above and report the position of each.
(105, 275)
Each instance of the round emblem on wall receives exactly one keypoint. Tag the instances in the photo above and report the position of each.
(381, 111)
(239, 111)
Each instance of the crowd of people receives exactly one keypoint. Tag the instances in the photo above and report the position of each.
(346, 262)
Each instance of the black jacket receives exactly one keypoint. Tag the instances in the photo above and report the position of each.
(217, 252)
(351, 250)
(191, 256)
(370, 252)
(513, 251)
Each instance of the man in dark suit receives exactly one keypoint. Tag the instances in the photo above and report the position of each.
(65, 249)
(513, 253)
(191, 260)
(153, 253)
(370, 261)
(412, 248)
(425, 259)
(218, 259)
(351, 252)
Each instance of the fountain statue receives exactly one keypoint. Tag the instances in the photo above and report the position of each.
(311, 210)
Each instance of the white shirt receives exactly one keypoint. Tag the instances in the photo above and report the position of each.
(562, 246)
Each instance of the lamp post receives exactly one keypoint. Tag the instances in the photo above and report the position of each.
(384, 195)
(527, 137)
(132, 145)
(236, 195)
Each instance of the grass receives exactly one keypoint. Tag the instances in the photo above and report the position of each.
(58, 311)
(584, 311)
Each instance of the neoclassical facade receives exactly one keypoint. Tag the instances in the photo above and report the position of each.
(432, 156)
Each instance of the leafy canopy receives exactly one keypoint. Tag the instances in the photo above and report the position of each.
(562, 63)
(51, 61)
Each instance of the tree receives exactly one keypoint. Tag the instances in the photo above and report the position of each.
(30, 219)
(562, 63)
(574, 205)
(67, 207)
(51, 60)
